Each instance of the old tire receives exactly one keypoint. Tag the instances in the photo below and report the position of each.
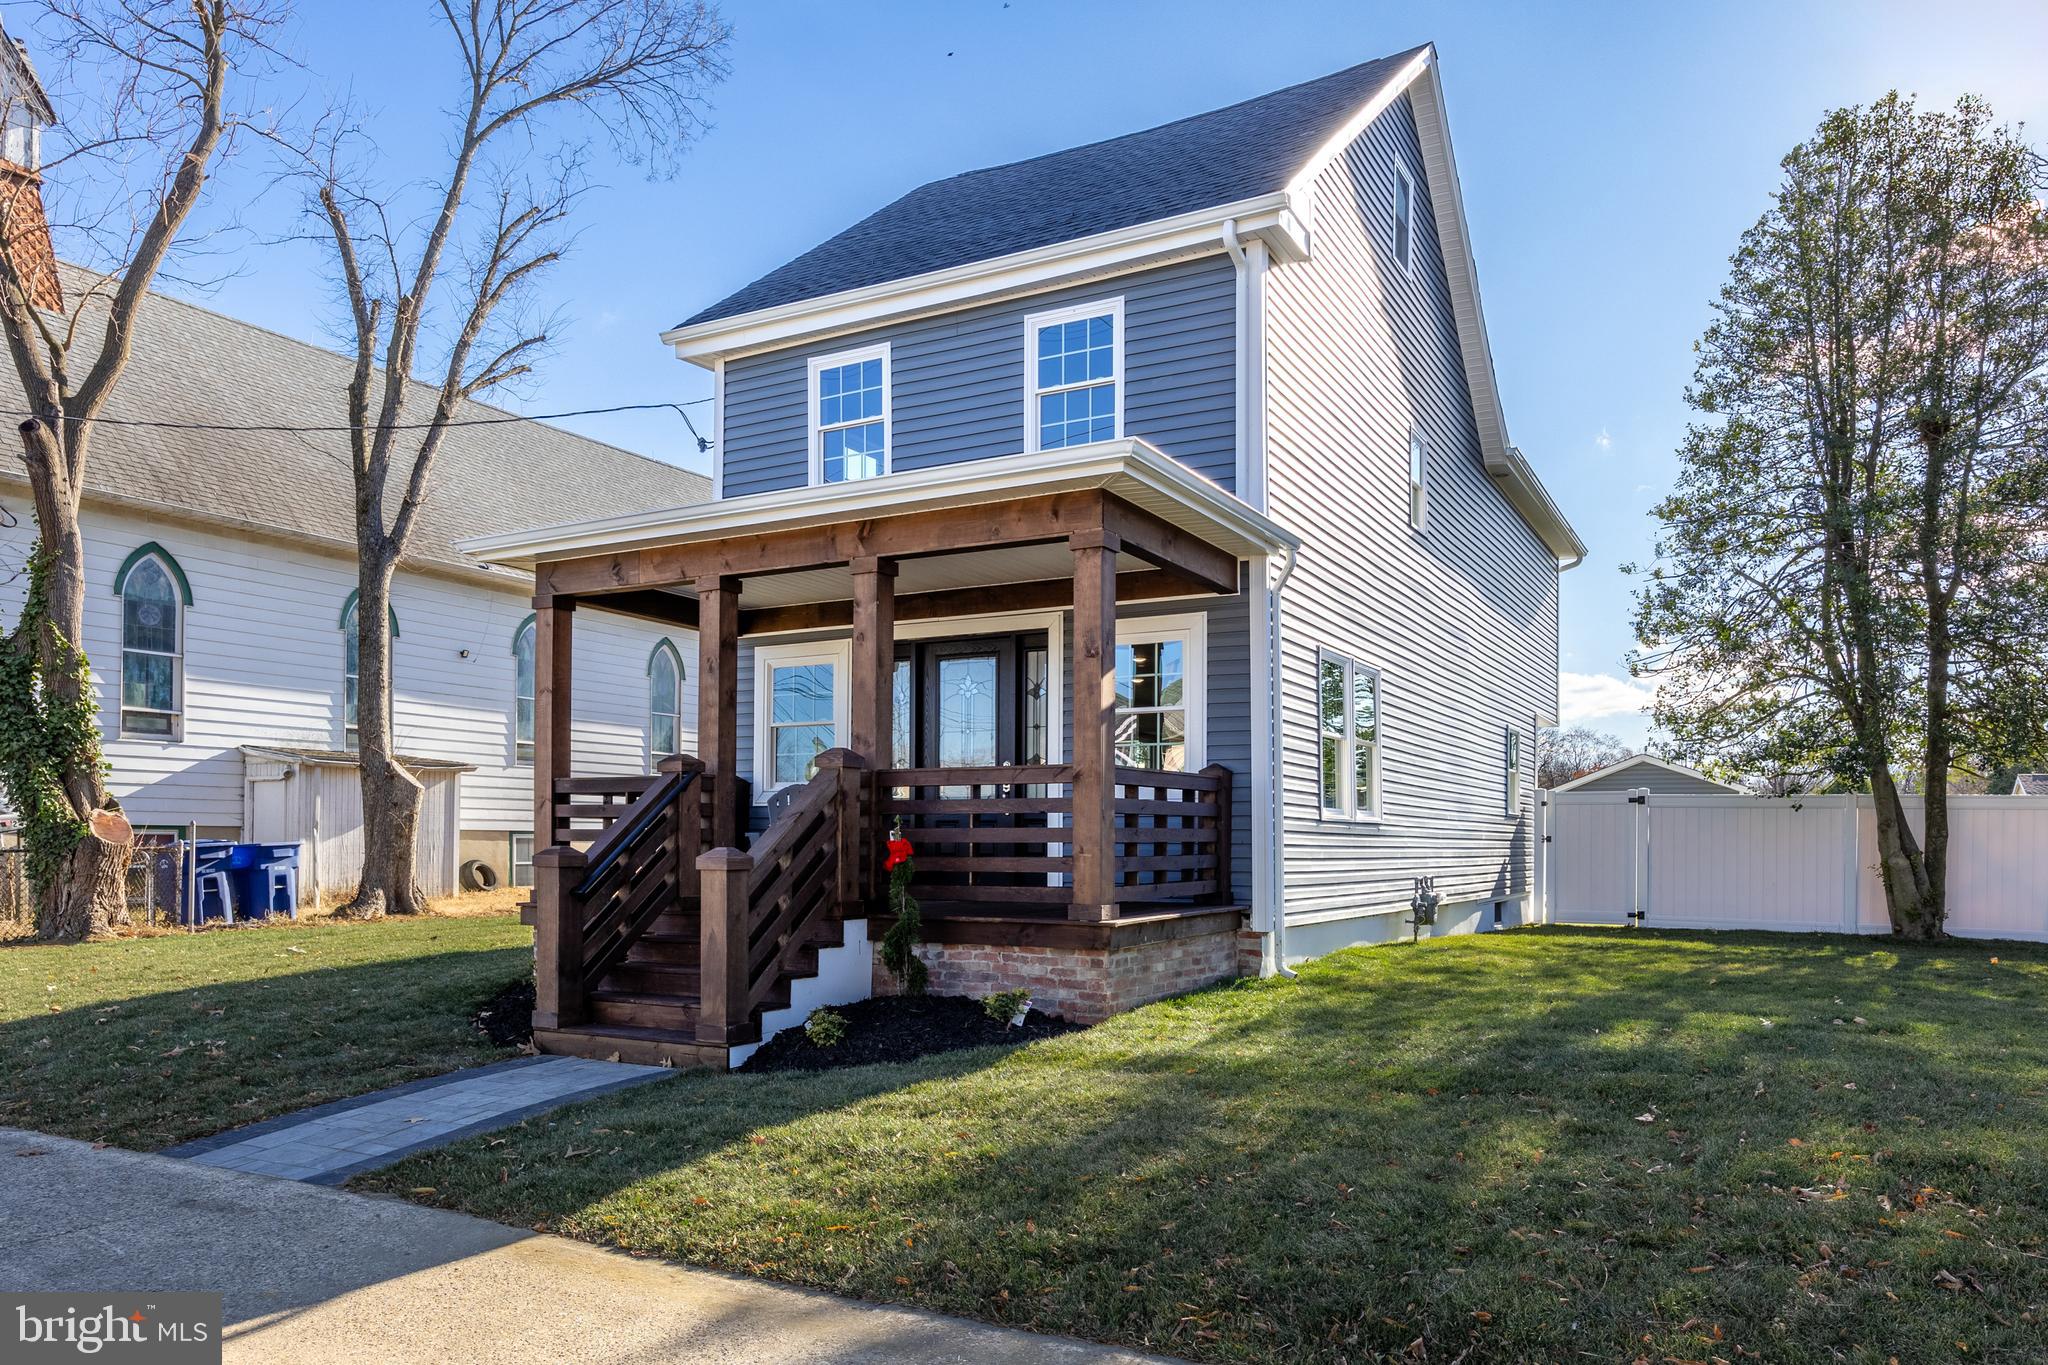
(478, 875)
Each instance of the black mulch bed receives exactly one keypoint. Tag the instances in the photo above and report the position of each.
(901, 1028)
(507, 1017)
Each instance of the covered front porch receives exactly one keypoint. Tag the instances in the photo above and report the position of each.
(906, 646)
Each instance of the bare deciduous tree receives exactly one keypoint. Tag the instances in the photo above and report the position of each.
(458, 270)
(153, 91)
(1563, 755)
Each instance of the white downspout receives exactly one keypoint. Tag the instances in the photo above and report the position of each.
(1276, 758)
(1253, 491)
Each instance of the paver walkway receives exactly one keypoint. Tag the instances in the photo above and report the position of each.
(325, 1277)
(328, 1144)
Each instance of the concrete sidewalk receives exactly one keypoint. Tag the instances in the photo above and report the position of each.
(315, 1275)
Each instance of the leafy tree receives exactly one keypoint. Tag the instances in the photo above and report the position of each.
(1565, 755)
(1851, 574)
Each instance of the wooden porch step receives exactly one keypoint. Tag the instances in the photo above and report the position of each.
(645, 1046)
(670, 948)
(647, 1010)
(654, 978)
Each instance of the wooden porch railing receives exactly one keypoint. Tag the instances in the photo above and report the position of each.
(1000, 834)
(592, 903)
(1172, 835)
(760, 906)
(585, 807)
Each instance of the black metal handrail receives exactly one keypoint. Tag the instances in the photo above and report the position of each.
(636, 824)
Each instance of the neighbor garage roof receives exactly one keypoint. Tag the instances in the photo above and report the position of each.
(1220, 157)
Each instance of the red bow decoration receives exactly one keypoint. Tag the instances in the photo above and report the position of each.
(899, 854)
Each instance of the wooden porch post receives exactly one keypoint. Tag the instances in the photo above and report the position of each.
(557, 937)
(718, 700)
(724, 875)
(1094, 813)
(874, 659)
(553, 618)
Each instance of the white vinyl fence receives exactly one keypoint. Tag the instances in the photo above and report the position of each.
(1799, 864)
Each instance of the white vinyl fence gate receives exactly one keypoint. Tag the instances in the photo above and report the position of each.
(1798, 864)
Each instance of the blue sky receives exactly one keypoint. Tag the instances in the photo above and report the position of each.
(1611, 155)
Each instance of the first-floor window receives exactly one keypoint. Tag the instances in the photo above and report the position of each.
(523, 691)
(1159, 686)
(664, 701)
(800, 709)
(351, 672)
(522, 860)
(1348, 704)
(1513, 793)
(151, 649)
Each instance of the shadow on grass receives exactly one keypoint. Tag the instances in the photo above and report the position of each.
(149, 1042)
(1527, 1146)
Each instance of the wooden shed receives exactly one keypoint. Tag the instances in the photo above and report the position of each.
(315, 797)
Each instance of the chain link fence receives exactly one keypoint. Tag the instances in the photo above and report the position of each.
(17, 910)
(154, 884)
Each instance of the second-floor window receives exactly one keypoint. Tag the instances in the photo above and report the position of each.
(1404, 218)
(850, 415)
(1074, 375)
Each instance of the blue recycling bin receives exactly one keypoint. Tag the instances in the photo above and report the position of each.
(207, 872)
(259, 893)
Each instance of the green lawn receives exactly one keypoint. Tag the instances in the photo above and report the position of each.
(1545, 1145)
(151, 1041)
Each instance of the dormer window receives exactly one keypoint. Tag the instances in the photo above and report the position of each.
(1074, 382)
(850, 415)
(1404, 218)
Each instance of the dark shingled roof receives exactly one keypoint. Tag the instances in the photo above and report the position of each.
(194, 365)
(1210, 159)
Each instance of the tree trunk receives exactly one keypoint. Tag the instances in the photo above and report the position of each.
(87, 896)
(1907, 897)
(391, 795)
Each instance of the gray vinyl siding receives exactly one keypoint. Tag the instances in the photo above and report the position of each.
(1658, 780)
(957, 380)
(1229, 705)
(1460, 619)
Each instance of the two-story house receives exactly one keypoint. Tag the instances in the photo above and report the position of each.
(1136, 528)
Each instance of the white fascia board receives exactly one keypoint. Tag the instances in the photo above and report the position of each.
(1127, 466)
(1269, 217)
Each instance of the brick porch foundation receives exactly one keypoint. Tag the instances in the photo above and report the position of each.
(1085, 985)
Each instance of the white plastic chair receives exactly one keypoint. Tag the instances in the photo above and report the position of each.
(223, 887)
(285, 878)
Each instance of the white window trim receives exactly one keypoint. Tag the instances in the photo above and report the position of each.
(519, 760)
(512, 862)
(390, 691)
(768, 658)
(1192, 630)
(1512, 756)
(878, 351)
(176, 656)
(675, 657)
(1115, 308)
(1349, 811)
(1406, 176)
(1418, 480)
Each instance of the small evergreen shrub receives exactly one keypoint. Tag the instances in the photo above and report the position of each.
(1004, 1006)
(825, 1028)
